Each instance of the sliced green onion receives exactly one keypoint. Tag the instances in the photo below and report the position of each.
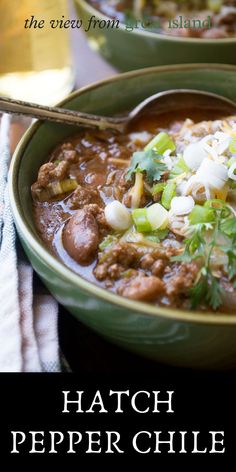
(54, 189)
(107, 241)
(179, 168)
(158, 216)
(168, 193)
(201, 214)
(231, 161)
(232, 146)
(161, 143)
(134, 237)
(153, 238)
(58, 188)
(157, 236)
(158, 188)
(141, 221)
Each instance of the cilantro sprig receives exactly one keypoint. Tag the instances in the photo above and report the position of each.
(148, 162)
(194, 245)
(207, 287)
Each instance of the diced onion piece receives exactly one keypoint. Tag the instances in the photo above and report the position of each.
(141, 220)
(215, 183)
(196, 188)
(161, 143)
(181, 188)
(194, 154)
(140, 137)
(223, 145)
(157, 216)
(231, 171)
(182, 205)
(219, 170)
(212, 173)
(117, 216)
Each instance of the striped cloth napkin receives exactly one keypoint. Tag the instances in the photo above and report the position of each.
(28, 320)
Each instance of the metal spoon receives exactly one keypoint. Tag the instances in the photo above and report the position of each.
(165, 101)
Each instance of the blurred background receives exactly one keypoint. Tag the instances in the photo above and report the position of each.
(41, 64)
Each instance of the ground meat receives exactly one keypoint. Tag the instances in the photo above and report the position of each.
(81, 236)
(69, 155)
(50, 172)
(147, 261)
(155, 266)
(101, 272)
(83, 196)
(158, 268)
(60, 171)
(66, 152)
(99, 214)
(165, 252)
(142, 288)
(44, 174)
(180, 278)
(115, 271)
(122, 255)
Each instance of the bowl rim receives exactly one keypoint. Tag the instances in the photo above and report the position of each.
(149, 310)
(161, 36)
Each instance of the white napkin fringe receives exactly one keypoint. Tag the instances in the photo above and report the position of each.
(28, 323)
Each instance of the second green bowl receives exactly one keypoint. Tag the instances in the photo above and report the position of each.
(134, 50)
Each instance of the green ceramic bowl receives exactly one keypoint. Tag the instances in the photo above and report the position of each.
(167, 335)
(133, 50)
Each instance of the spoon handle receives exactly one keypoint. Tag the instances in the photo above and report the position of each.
(60, 115)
